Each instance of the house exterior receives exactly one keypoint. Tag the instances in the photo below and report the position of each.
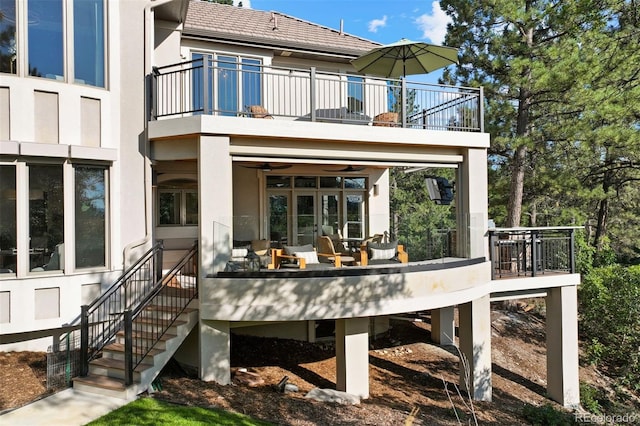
(185, 122)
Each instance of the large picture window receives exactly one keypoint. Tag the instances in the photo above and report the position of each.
(91, 218)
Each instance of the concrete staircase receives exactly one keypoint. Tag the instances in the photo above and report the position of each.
(106, 374)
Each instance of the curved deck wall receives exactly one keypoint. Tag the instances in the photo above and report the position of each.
(357, 292)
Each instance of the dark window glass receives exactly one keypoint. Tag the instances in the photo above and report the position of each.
(355, 183)
(191, 204)
(46, 48)
(305, 182)
(7, 219)
(278, 182)
(46, 218)
(355, 93)
(8, 46)
(330, 182)
(88, 47)
(251, 82)
(91, 220)
(169, 208)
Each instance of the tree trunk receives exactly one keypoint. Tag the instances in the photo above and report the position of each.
(603, 213)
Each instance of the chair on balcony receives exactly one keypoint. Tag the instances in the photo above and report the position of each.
(383, 253)
(258, 111)
(300, 257)
(327, 250)
(386, 119)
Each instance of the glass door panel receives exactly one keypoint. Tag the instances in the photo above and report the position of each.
(305, 227)
(278, 219)
(355, 206)
(227, 85)
(329, 214)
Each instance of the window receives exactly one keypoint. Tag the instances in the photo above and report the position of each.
(91, 219)
(355, 94)
(46, 41)
(46, 218)
(7, 219)
(88, 47)
(238, 83)
(8, 36)
(178, 203)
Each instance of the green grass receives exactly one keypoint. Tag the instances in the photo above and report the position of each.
(149, 411)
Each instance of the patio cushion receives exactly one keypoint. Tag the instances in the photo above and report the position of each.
(239, 252)
(310, 257)
(382, 254)
(292, 250)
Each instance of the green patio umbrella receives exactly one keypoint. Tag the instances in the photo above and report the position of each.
(405, 57)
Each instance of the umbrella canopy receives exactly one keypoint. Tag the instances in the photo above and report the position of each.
(405, 57)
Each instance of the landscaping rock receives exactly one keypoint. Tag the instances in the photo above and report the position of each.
(331, 395)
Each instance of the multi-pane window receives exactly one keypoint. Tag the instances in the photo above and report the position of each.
(178, 203)
(234, 83)
(47, 24)
(8, 46)
(91, 218)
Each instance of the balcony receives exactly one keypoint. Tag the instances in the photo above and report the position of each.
(213, 87)
(532, 252)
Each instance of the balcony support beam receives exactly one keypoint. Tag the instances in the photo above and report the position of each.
(352, 356)
(562, 345)
(475, 346)
(443, 328)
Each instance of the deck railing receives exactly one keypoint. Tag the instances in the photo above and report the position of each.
(215, 87)
(530, 252)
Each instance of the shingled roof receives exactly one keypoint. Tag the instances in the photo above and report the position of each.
(269, 29)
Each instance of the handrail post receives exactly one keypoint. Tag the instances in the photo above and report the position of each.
(84, 340)
(403, 101)
(534, 254)
(493, 254)
(481, 109)
(312, 92)
(128, 348)
(158, 274)
(205, 85)
(572, 251)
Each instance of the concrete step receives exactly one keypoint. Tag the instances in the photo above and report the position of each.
(102, 385)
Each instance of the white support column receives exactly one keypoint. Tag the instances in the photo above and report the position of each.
(215, 351)
(475, 345)
(215, 203)
(563, 383)
(352, 356)
(443, 327)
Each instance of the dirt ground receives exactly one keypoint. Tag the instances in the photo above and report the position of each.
(412, 381)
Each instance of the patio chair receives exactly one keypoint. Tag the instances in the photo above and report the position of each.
(301, 257)
(258, 111)
(327, 250)
(383, 253)
(386, 119)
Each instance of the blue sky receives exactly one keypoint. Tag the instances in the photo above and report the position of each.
(382, 21)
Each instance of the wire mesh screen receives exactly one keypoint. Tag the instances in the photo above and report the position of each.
(63, 362)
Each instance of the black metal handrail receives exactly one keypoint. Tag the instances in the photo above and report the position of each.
(529, 252)
(104, 317)
(147, 322)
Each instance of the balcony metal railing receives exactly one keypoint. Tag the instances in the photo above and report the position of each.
(530, 252)
(214, 87)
